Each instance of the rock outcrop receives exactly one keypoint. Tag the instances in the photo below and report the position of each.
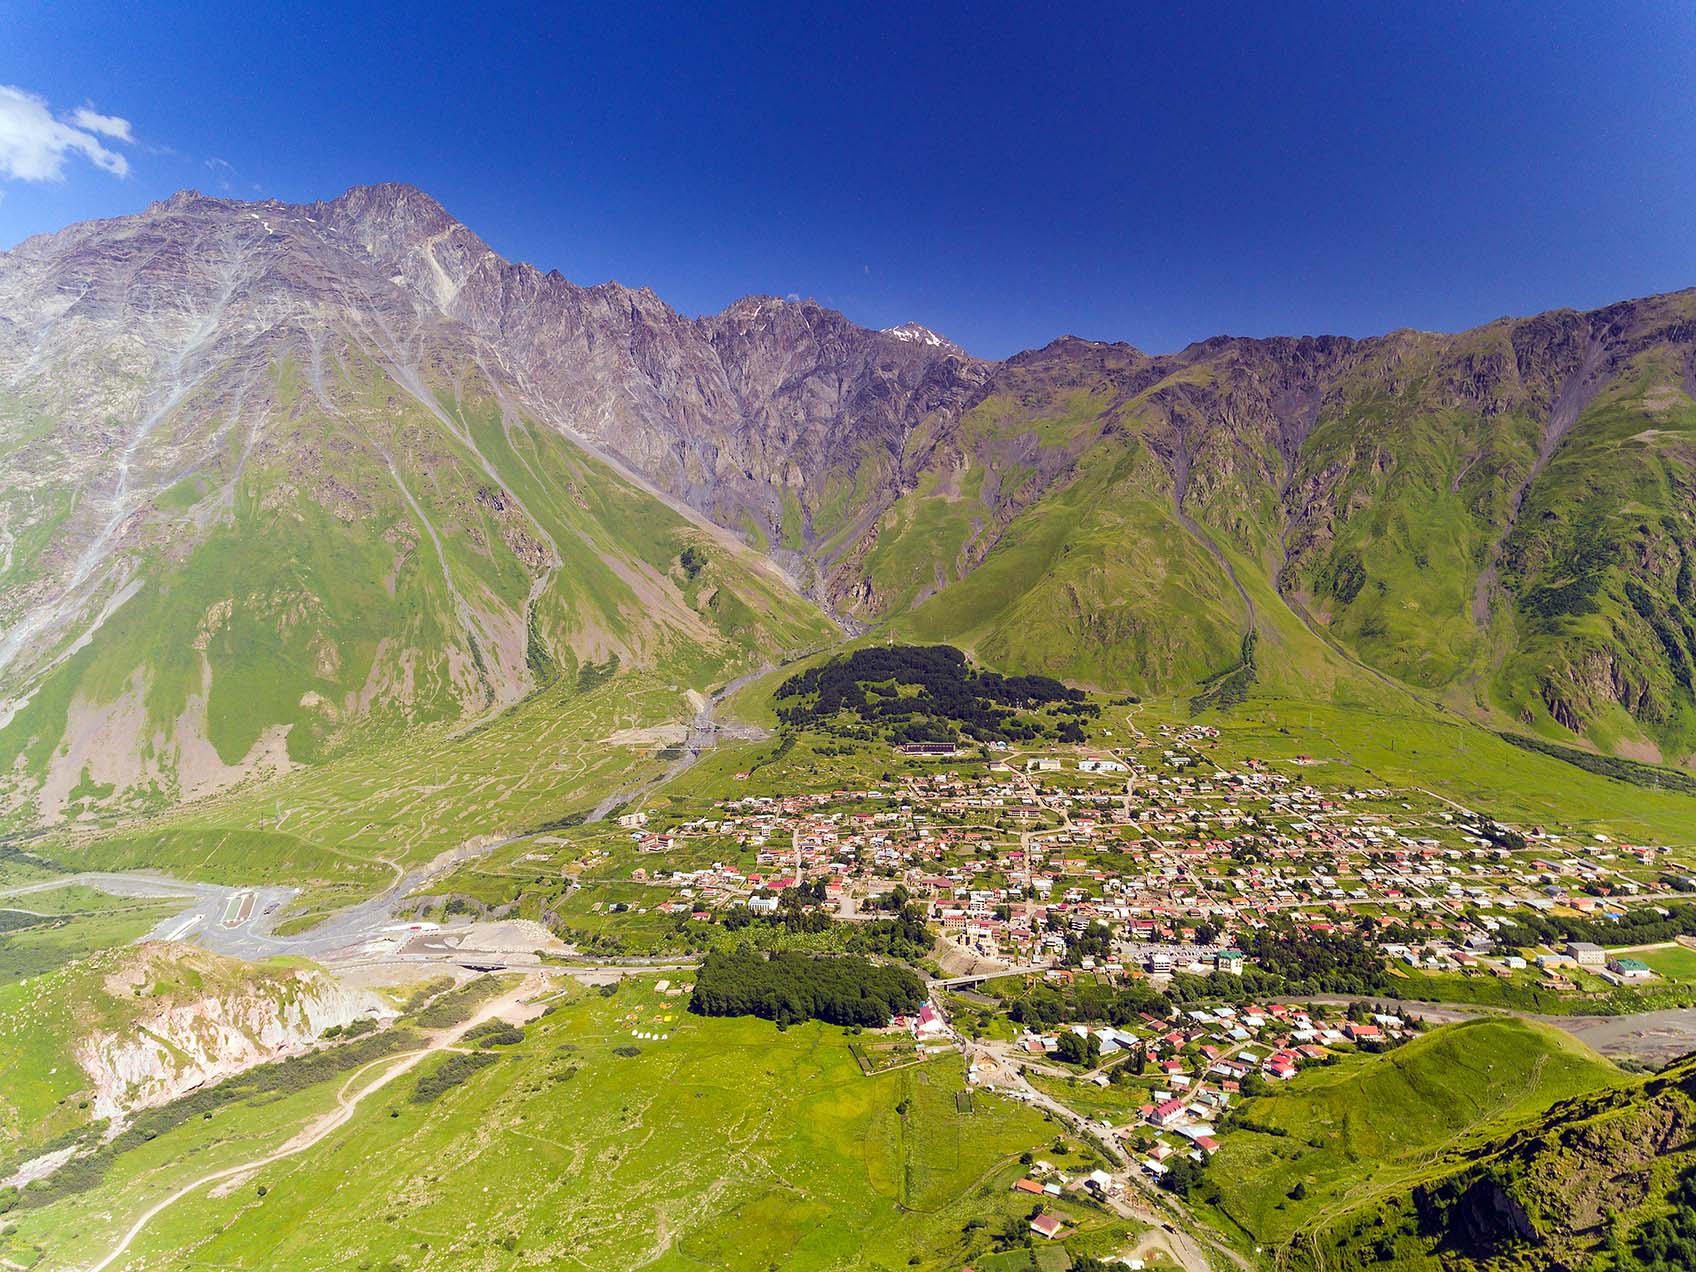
(178, 1042)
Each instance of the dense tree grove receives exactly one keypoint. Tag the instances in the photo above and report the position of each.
(1652, 776)
(17, 920)
(1095, 941)
(1085, 1001)
(449, 1074)
(1293, 962)
(1502, 836)
(792, 987)
(1182, 1176)
(927, 693)
(1318, 962)
(904, 936)
(1640, 925)
(1076, 1049)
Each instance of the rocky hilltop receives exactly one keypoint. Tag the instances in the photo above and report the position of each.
(131, 1028)
(350, 442)
(188, 1038)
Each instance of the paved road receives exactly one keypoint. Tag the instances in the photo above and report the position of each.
(202, 920)
(1134, 1197)
(953, 981)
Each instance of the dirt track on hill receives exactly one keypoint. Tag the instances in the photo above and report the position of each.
(509, 1005)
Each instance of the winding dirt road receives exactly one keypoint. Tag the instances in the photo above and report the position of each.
(509, 1005)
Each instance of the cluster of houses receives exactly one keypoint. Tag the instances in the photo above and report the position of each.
(1177, 863)
(1195, 1067)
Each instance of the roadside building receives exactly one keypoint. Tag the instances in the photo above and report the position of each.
(1587, 954)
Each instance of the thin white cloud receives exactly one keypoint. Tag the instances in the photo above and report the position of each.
(34, 145)
(86, 117)
(224, 170)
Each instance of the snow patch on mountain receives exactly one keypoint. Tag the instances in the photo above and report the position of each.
(914, 333)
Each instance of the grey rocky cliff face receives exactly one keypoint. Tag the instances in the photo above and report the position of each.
(185, 1045)
(139, 351)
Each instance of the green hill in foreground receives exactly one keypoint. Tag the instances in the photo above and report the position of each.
(1490, 1146)
(1346, 1132)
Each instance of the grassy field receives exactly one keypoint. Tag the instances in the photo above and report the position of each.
(1366, 745)
(1676, 963)
(18, 868)
(1336, 1135)
(728, 1145)
(1521, 990)
(74, 934)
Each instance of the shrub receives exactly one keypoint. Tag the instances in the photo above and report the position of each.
(449, 1074)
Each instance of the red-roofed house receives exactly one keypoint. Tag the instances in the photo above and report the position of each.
(1047, 1226)
(1167, 1112)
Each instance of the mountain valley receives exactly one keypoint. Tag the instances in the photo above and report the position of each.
(286, 478)
(411, 667)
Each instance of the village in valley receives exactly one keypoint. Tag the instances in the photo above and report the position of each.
(1122, 986)
(1141, 879)
(1144, 928)
(1161, 865)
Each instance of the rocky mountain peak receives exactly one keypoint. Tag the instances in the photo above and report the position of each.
(916, 333)
(391, 205)
(178, 202)
(409, 232)
(207, 365)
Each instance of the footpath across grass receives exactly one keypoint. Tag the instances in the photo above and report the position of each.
(728, 1143)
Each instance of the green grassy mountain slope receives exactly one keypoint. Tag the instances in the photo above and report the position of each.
(1499, 520)
(1601, 1180)
(398, 572)
(315, 516)
(283, 476)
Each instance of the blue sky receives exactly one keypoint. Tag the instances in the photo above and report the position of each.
(1004, 175)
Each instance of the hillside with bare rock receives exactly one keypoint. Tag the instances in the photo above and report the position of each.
(280, 478)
